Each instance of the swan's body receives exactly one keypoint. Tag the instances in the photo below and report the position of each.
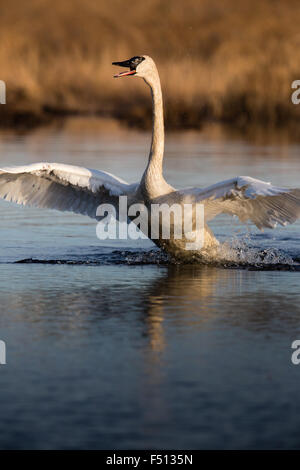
(80, 190)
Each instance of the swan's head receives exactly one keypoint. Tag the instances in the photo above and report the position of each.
(139, 66)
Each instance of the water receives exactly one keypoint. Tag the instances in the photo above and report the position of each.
(110, 346)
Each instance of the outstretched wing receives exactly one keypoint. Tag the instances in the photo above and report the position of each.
(250, 199)
(61, 187)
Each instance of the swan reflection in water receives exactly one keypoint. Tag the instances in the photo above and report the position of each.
(148, 303)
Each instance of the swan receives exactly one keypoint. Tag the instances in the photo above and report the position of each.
(80, 190)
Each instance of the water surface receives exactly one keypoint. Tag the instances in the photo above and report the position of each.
(111, 347)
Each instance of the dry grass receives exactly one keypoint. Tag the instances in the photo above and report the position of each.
(218, 60)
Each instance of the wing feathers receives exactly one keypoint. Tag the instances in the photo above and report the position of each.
(61, 187)
(250, 199)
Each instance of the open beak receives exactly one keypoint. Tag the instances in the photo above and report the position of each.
(125, 63)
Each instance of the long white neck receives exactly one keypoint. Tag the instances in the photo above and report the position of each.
(158, 135)
(153, 183)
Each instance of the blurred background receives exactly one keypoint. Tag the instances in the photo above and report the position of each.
(229, 62)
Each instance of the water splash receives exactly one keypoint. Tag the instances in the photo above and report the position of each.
(240, 252)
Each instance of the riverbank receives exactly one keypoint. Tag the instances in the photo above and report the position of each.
(218, 61)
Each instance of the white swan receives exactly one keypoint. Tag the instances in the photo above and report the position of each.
(80, 190)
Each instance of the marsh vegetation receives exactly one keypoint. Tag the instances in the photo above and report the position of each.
(227, 61)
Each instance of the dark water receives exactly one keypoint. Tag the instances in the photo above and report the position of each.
(110, 346)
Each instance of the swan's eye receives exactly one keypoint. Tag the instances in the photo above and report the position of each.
(135, 61)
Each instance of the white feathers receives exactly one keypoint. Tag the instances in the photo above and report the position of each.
(80, 190)
(74, 175)
(250, 199)
(62, 187)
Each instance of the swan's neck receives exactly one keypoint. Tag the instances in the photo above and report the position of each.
(153, 183)
(158, 136)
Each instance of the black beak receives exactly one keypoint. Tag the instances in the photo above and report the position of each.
(128, 64)
(125, 63)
